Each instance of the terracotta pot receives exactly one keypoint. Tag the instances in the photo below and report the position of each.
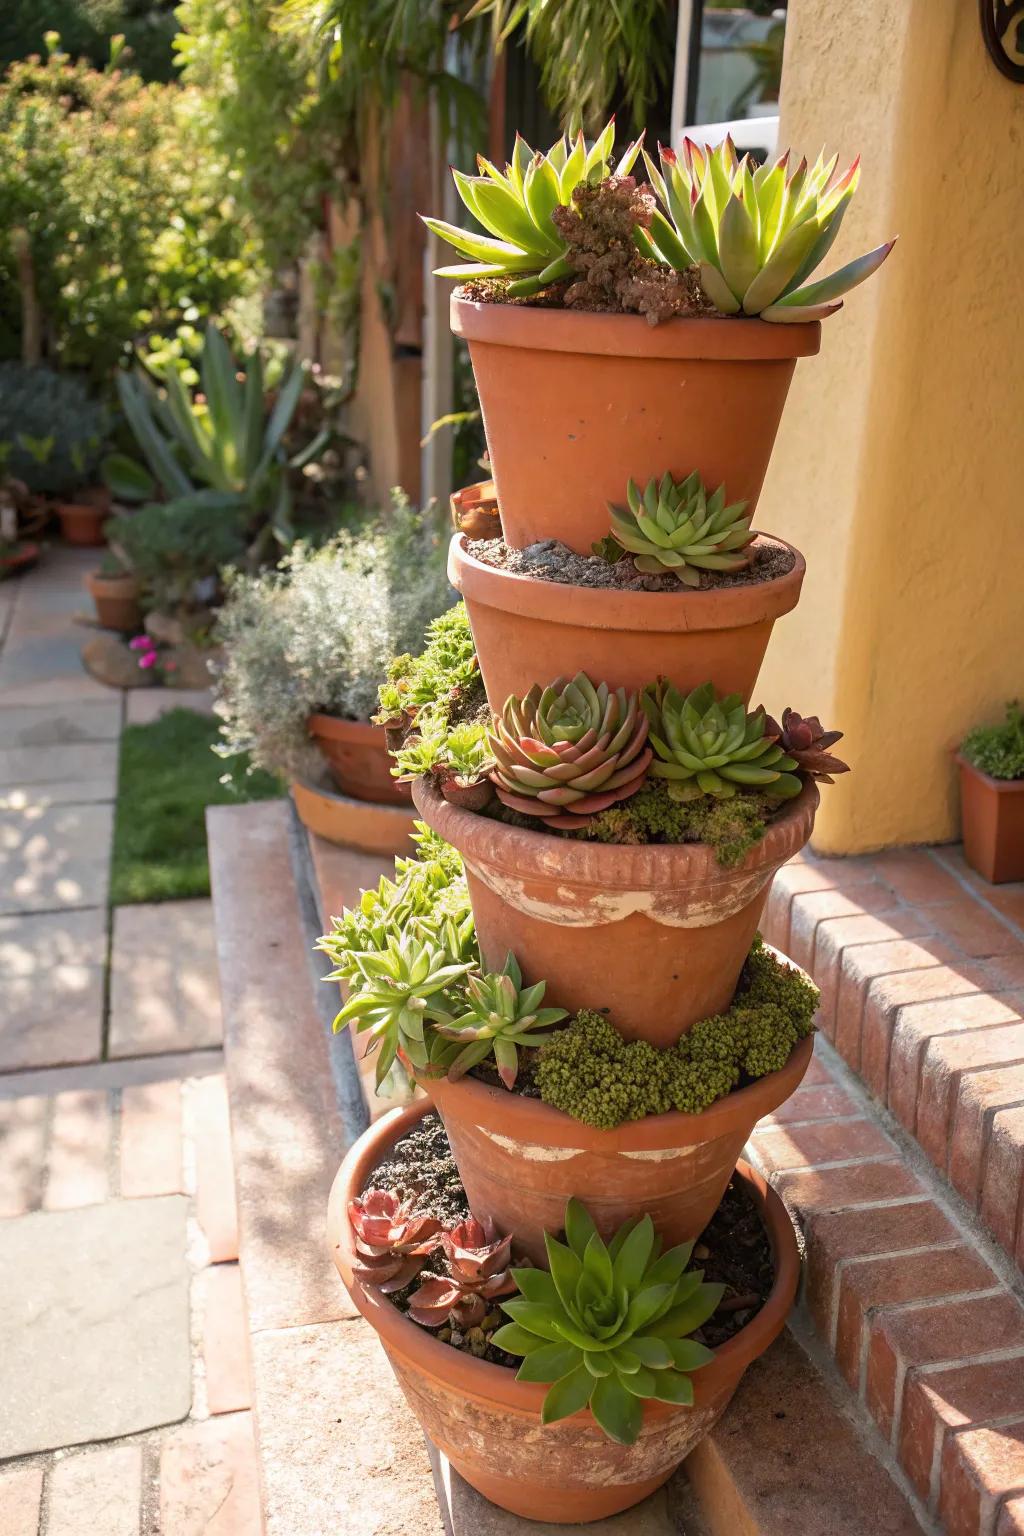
(475, 511)
(383, 829)
(656, 935)
(993, 823)
(117, 601)
(520, 1160)
(81, 524)
(575, 404)
(357, 756)
(20, 559)
(488, 1424)
(527, 630)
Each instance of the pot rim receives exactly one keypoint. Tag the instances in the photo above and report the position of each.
(94, 581)
(1001, 786)
(721, 339)
(685, 611)
(539, 855)
(337, 728)
(522, 1119)
(496, 1384)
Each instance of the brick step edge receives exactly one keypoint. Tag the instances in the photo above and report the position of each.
(920, 1310)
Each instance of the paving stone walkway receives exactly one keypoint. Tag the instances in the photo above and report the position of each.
(124, 1383)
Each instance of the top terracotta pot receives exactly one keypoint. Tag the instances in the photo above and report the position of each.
(576, 404)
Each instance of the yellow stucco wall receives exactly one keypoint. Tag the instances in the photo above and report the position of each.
(899, 468)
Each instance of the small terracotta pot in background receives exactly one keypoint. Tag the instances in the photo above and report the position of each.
(993, 823)
(528, 631)
(22, 558)
(82, 524)
(656, 934)
(576, 404)
(488, 1424)
(351, 823)
(117, 601)
(357, 756)
(520, 1159)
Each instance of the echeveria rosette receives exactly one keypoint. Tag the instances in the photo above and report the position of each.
(757, 233)
(391, 1239)
(478, 1272)
(397, 992)
(501, 1017)
(515, 206)
(711, 746)
(806, 740)
(609, 1326)
(567, 751)
(675, 527)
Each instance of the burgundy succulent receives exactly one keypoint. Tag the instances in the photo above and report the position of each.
(804, 738)
(478, 1271)
(391, 1240)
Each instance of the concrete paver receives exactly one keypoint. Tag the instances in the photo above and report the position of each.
(94, 1331)
(41, 725)
(95, 761)
(164, 994)
(97, 1491)
(52, 966)
(147, 704)
(55, 857)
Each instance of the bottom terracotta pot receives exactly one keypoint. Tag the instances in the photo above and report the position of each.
(383, 829)
(488, 1424)
(117, 601)
(520, 1160)
(993, 823)
(81, 524)
(357, 755)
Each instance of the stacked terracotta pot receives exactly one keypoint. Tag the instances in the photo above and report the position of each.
(574, 406)
(367, 810)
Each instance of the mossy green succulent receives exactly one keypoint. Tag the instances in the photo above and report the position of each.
(591, 1073)
(443, 679)
(730, 827)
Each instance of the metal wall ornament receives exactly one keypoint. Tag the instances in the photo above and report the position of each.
(1002, 26)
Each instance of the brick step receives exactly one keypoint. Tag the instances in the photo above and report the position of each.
(921, 970)
(338, 1448)
(920, 1309)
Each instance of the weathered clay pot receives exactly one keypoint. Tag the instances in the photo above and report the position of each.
(475, 511)
(352, 823)
(575, 404)
(357, 756)
(993, 823)
(520, 1159)
(488, 1424)
(117, 601)
(655, 935)
(81, 523)
(527, 630)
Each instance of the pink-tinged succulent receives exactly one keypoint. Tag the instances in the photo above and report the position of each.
(391, 1240)
(567, 751)
(478, 1271)
(804, 738)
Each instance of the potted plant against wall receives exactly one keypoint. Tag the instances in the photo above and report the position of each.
(55, 432)
(991, 762)
(304, 648)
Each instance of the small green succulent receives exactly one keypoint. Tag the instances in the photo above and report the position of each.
(502, 1016)
(676, 527)
(756, 232)
(711, 746)
(609, 1326)
(515, 207)
(398, 992)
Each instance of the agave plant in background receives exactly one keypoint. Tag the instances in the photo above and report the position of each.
(757, 233)
(222, 453)
(676, 527)
(711, 746)
(609, 1326)
(567, 751)
(477, 1272)
(391, 1240)
(501, 1017)
(515, 207)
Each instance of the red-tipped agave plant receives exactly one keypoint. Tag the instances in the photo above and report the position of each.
(391, 1240)
(478, 1271)
(567, 751)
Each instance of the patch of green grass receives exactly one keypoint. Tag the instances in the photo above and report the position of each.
(168, 776)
